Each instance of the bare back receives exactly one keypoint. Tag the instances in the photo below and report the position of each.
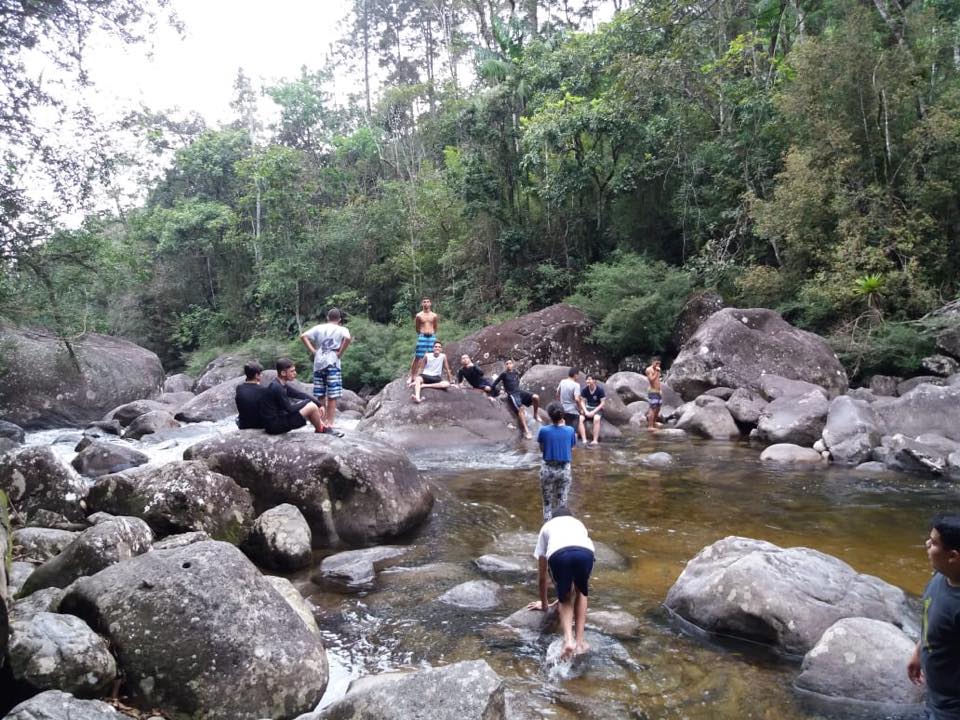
(427, 323)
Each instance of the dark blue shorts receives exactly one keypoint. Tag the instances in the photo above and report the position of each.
(571, 566)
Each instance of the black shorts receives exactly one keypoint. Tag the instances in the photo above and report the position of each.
(487, 384)
(571, 566)
(520, 398)
(571, 419)
(431, 379)
(290, 421)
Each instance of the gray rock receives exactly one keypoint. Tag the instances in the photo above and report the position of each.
(473, 595)
(755, 590)
(948, 342)
(280, 539)
(953, 380)
(6, 445)
(352, 490)
(17, 575)
(871, 467)
(914, 382)
(99, 517)
(885, 385)
(176, 400)
(92, 551)
(941, 365)
(638, 408)
(178, 497)
(40, 544)
(60, 652)
(218, 401)
(295, 600)
(953, 465)
(151, 422)
(218, 371)
(535, 621)
(745, 406)
(46, 600)
(852, 430)
(658, 460)
(926, 453)
(98, 373)
(631, 387)
(49, 519)
(670, 434)
(56, 705)
(351, 402)
(862, 394)
(99, 428)
(35, 479)
(102, 458)
(468, 690)
(774, 387)
(723, 393)
(349, 415)
(615, 623)
(181, 540)
(180, 382)
(11, 431)
(6, 542)
(495, 564)
(708, 417)
(518, 548)
(356, 567)
(926, 408)
(794, 419)
(85, 442)
(736, 348)
(861, 659)
(787, 454)
(697, 309)
(247, 653)
(128, 412)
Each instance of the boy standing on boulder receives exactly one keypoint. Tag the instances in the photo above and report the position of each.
(327, 343)
(427, 324)
(936, 659)
(556, 442)
(654, 398)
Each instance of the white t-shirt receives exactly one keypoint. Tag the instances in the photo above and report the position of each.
(569, 392)
(327, 339)
(434, 365)
(561, 532)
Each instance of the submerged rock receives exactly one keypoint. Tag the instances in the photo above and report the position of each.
(615, 623)
(787, 454)
(356, 567)
(658, 460)
(150, 423)
(473, 595)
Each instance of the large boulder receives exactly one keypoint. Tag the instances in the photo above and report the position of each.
(792, 419)
(884, 385)
(941, 365)
(907, 385)
(104, 544)
(928, 452)
(150, 423)
(178, 383)
(696, 310)
(852, 430)
(219, 401)
(708, 417)
(199, 632)
(353, 490)
(219, 370)
(57, 705)
(543, 380)
(35, 479)
(746, 406)
(862, 660)
(101, 458)
(774, 387)
(81, 381)
(177, 497)
(128, 412)
(758, 591)
(445, 418)
(925, 409)
(12, 431)
(557, 335)
(60, 652)
(468, 690)
(629, 386)
(280, 539)
(736, 348)
(36, 544)
(948, 342)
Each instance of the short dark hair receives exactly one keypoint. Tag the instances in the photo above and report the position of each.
(948, 526)
(284, 364)
(437, 342)
(555, 412)
(590, 376)
(562, 511)
(572, 372)
(654, 359)
(334, 314)
(252, 369)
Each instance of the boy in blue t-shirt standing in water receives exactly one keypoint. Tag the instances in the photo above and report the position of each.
(556, 442)
(936, 661)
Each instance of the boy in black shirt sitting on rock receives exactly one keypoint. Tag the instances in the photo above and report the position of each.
(517, 397)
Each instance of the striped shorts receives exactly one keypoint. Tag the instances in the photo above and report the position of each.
(424, 345)
(328, 383)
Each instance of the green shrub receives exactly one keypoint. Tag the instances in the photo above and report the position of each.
(892, 348)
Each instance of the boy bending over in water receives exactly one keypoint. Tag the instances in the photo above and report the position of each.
(567, 549)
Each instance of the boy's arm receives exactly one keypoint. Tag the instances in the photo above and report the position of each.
(417, 322)
(344, 345)
(292, 392)
(304, 338)
(497, 381)
(446, 366)
(914, 668)
(542, 581)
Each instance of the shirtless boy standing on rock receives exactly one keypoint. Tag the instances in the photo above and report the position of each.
(654, 397)
(427, 323)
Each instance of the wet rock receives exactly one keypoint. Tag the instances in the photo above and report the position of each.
(794, 419)
(925, 409)
(295, 600)
(93, 550)
(180, 540)
(178, 497)
(940, 365)
(446, 418)
(774, 387)
(218, 371)
(953, 465)
(60, 652)
(473, 595)
(280, 539)
(35, 479)
(468, 690)
(708, 417)
(6, 445)
(356, 567)
(17, 575)
(99, 517)
(40, 544)
(536, 621)
(495, 564)
(180, 382)
(349, 415)
(884, 385)
(42, 601)
(787, 454)
(670, 434)
(915, 382)
(98, 373)
(698, 308)
(150, 423)
(128, 412)
(926, 453)
(736, 348)
(85, 442)
(176, 400)
(11, 431)
(247, 654)
(556, 335)
(871, 467)
(353, 490)
(99, 428)
(102, 458)
(56, 705)
(861, 659)
(658, 460)
(852, 430)
(615, 623)
(631, 387)
(6, 542)
(607, 660)
(758, 591)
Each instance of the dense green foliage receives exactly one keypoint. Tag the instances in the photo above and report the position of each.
(801, 156)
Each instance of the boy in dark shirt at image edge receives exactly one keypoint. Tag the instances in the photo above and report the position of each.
(936, 659)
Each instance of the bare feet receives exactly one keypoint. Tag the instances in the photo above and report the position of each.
(409, 382)
(582, 647)
(594, 442)
(528, 436)
(416, 399)
(569, 648)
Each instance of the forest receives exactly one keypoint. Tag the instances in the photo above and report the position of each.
(499, 156)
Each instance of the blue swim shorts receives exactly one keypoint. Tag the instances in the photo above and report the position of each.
(571, 566)
(328, 382)
(654, 399)
(424, 345)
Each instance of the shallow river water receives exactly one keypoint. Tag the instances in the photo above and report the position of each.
(658, 520)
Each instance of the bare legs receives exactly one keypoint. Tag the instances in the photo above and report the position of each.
(331, 410)
(415, 367)
(582, 429)
(313, 413)
(419, 385)
(596, 428)
(522, 421)
(573, 619)
(653, 415)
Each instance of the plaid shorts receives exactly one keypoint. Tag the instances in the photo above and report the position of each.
(328, 382)
(424, 345)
